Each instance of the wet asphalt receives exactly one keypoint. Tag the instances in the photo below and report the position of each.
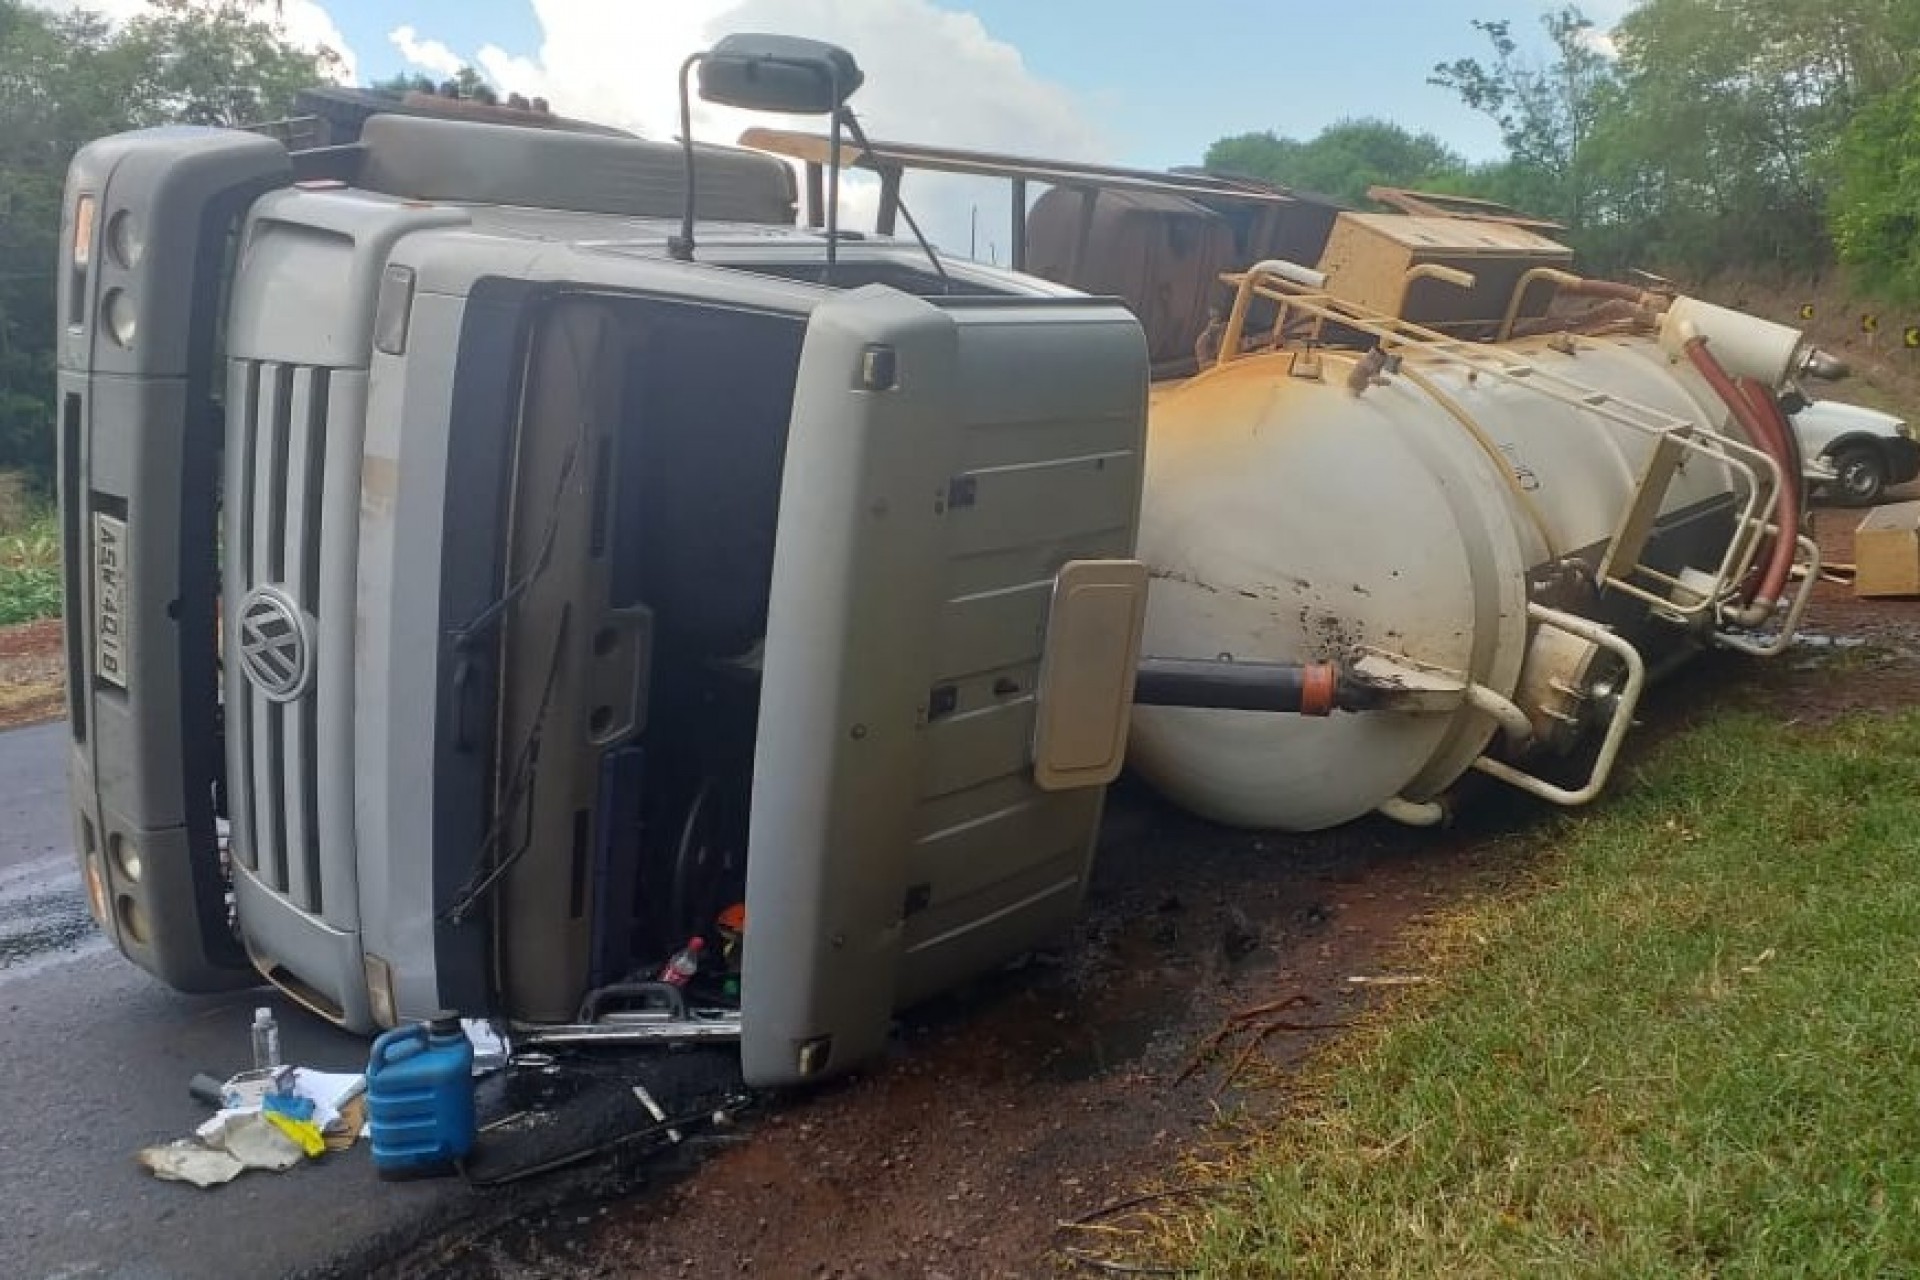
(95, 1057)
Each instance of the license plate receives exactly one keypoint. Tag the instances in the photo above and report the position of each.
(110, 598)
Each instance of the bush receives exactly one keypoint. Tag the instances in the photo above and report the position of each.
(1876, 206)
(30, 586)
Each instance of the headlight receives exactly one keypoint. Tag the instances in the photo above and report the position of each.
(123, 320)
(123, 239)
(126, 856)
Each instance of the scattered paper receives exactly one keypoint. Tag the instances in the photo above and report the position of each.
(246, 1091)
(187, 1161)
(328, 1091)
(253, 1140)
(248, 1134)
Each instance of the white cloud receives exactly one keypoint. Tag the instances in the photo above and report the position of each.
(308, 24)
(933, 75)
(1600, 42)
(431, 54)
(304, 23)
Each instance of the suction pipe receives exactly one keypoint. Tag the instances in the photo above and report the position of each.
(1760, 428)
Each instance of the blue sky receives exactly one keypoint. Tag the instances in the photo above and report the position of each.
(1160, 81)
(1120, 81)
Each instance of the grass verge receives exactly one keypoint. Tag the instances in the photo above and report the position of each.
(1692, 1049)
(30, 571)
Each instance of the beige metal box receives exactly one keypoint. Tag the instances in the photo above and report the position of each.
(1886, 551)
(1369, 256)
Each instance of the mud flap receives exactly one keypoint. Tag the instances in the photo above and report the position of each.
(945, 460)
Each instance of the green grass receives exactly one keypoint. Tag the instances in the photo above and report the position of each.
(30, 571)
(1691, 1048)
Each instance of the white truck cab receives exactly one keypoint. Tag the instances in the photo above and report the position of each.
(522, 590)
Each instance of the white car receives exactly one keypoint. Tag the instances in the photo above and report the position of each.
(1852, 452)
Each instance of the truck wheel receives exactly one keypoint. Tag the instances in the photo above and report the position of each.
(1861, 475)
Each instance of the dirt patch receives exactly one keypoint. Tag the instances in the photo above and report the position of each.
(1855, 654)
(1041, 1093)
(32, 672)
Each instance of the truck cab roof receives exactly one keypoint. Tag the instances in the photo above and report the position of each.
(607, 204)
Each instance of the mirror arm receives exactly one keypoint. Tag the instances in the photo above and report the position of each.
(680, 247)
(833, 179)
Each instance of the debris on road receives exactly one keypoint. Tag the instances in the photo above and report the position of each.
(187, 1161)
(271, 1120)
(491, 1049)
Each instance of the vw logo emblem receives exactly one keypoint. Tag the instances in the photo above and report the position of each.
(275, 650)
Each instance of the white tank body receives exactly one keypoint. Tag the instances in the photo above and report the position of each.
(1288, 520)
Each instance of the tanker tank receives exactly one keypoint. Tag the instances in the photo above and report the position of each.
(1493, 546)
(1419, 501)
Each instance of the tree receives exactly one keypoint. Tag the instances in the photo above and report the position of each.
(53, 96)
(1876, 204)
(1546, 112)
(1722, 145)
(1342, 161)
(215, 62)
(469, 83)
(405, 82)
(68, 78)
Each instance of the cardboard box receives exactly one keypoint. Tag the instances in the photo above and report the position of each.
(1886, 551)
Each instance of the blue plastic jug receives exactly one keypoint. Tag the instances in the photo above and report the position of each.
(420, 1098)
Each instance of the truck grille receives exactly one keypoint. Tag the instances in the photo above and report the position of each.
(277, 437)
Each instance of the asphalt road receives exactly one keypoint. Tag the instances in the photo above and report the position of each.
(95, 1057)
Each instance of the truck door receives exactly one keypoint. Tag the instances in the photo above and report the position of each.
(947, 459)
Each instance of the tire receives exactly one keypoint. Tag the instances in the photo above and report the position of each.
(1861, 475)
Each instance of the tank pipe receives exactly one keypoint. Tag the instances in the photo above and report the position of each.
(1431, 271)
(1292, 272)
(1512, 720)
(1759, 431)
(1778, 444)
(1617, 725)
(1560, 278)
(1767, 405)
(1309, 689)
(1587, 287)
(1429, 813)
(1767, 410)
(1567, 282)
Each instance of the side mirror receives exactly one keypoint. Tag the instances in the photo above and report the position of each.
(786, 75)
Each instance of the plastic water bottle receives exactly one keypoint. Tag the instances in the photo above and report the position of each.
(685, 963)
(266, 1040)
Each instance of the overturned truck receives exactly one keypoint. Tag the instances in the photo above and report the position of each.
(500, 552)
